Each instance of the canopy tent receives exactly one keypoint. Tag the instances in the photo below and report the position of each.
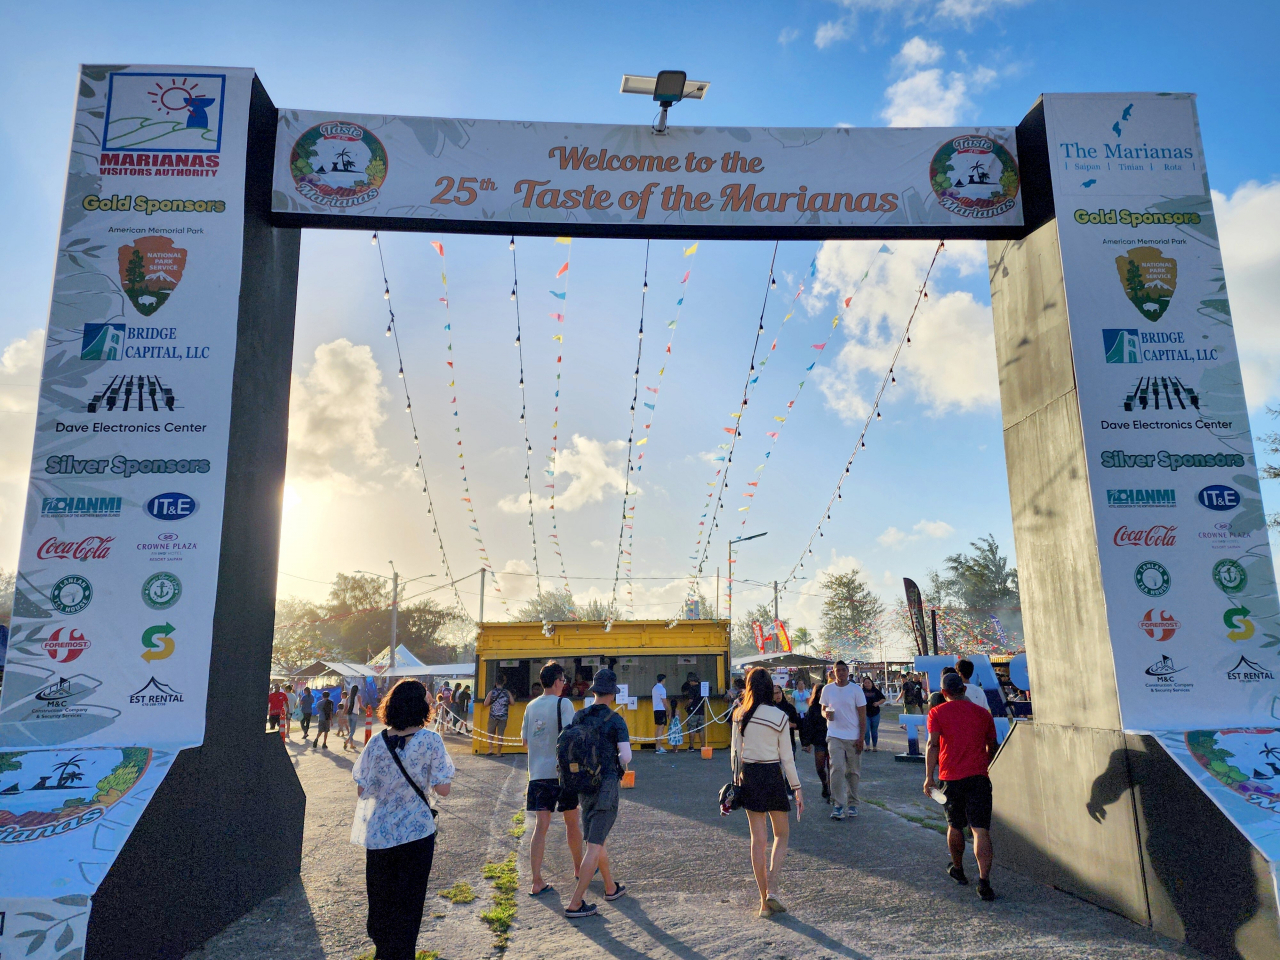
(460, 670)
(341, 668)
(403, 659)
(771, 660)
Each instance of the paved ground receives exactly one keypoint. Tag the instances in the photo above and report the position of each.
(871, 888)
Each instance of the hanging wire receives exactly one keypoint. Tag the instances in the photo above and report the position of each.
(553, 458)
(861, 444)
(524, 413)
(420, 464)
(631, 433)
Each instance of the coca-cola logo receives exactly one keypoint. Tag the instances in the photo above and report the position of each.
(90, 548)
(1160, 535)
(64, 650)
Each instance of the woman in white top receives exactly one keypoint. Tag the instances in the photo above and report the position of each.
(762, 744)
(393, 820)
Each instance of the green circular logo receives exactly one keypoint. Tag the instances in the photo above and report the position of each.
(161, 591)
(338, 164)
(1229, 576)
(71, 594)
(1152, 578)
(974, 176)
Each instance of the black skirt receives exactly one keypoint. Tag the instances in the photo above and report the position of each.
(763, 787)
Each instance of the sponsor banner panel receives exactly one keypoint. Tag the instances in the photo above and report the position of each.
(117, 575)
(1187, 572)
(558, 173)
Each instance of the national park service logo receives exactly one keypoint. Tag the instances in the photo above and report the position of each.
(974, 176)
(1149, 279)
(338, 164)
(151, 269)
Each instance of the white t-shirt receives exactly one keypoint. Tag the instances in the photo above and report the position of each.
(974, 693)
(540, 731)
(659, 694)
(845, 701)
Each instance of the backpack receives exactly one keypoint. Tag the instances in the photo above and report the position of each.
(584, 753)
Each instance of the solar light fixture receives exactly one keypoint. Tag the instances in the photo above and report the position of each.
(667, 88)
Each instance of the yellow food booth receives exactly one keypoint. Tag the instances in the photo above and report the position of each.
(636, 650)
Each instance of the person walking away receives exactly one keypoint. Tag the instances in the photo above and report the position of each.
(499, 702)
(305, 703)
(394, 821)
(813, 738)
(912, 696)
(845, 708)
(801, 697)
(324, 719)
(871, 736)
(695, 709)
(602, 734)
(972, 691)
(544, 719)
(962, 744)
(464, 705)
(660, 707)
(355, 705)
(290, 709)
(780, 701)
(765, 769)
(277, 703)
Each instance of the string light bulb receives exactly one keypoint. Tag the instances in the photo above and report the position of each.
(386, 293)
(388, 329)
(645, 288)
(773, 282)
(878, 417)
(512, 244)
(408, 407)
(513, 293)
(402, 371)
(374, 241)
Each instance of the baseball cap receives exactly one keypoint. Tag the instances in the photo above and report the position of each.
(953, 683)
(605, 682)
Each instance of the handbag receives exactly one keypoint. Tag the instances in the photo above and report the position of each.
(435, 814)
(731, 792)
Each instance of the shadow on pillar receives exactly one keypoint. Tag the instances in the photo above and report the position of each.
(224, 829)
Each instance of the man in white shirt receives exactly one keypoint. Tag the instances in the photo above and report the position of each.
(845, 707)
(660, 707)
(972, 692)
(544, 718)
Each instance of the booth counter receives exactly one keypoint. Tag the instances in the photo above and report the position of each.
(636, 650)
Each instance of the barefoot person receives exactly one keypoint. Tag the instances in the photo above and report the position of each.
(962, 743)
(761, 753)
(544, 718)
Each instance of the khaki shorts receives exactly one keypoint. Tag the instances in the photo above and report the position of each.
(497, 726)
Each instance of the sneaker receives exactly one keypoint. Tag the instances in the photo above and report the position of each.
(984, 889)
(852, 810)
(586, 910)
(957, 874)
(837, 812)
(660, 750)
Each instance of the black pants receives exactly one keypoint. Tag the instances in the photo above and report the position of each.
(306, 724)
(396, 879)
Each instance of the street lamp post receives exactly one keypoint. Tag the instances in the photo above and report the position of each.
(731, 543)
(395, 603)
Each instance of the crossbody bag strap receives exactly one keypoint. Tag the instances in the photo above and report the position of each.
(403, 772)
(559, 716)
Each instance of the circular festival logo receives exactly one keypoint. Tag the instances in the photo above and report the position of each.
(1229, 576)
(1152, 578)
(1237, 759)
(47, 793)
(974, 176)
(338, 164)
(161, 591)
(71, 594)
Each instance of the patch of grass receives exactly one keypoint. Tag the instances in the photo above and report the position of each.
(517, 831)
(921, 821)
(500, 917)
(460, 892)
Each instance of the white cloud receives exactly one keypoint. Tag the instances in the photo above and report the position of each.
(20, 369)
(1251, 259)
(918, 52)
(518, 581)
(926, 99)
(787, 35)
(941, 12)
(335, 410)
(969, 10)
(831, 32)
(937, 529)
(591, 472)
(951, 361)
(891, 537)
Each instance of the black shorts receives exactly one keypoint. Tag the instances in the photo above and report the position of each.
(968, 802)
(599, 811)
(659, 718)
(547, 795)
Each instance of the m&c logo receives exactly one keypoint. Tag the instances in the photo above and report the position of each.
(1121, 346)
(1164, 667)
(1163, 673)
(1142, 498)
(1159, 629)
(64, 649)
(1219, 496)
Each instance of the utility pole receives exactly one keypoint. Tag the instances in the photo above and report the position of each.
(717, 593)
(395, 589)
(481, 595)
(731, 543)
(777, 643)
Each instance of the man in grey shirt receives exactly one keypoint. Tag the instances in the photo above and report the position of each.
(544, 718)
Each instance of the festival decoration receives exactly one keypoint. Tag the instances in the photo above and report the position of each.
(524, 412)
(553, 457)
(631, 436)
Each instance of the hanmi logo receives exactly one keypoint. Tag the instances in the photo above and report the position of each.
(1246, 671)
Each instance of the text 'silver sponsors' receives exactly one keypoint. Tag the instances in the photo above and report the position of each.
(134, 411)
(1166, 428)
(488, 170)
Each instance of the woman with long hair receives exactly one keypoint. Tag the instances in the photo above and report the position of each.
(871, 736)
(813, 738)
(761, 750)
(394, 822)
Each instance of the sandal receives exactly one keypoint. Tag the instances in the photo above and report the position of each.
(619, 891)
(546, 888)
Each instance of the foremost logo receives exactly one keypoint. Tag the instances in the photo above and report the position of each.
(1160, 628)
(68, 465)
(90, 548)
(1142, 498)
(1246, 671)
(1118, 459)
(64, 650)
(80, 506)
(1160, 535)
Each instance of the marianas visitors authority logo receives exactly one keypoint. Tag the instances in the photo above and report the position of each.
(974, 176)
(1149, 279)
(338, 164)
(151, 269)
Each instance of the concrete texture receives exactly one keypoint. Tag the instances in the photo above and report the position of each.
(869, 888)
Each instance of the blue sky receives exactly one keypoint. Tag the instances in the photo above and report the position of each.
(932, 477)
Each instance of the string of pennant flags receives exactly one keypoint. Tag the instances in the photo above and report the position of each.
(419, 464)
(524, 416)
(651, 405)
(473, 520)
(888, 380)
(631, 436)
(558, 315)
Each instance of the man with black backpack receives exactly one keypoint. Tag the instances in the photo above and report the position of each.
(544, 719)
(591, 753)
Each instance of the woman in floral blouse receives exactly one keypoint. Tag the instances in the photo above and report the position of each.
(393, 820)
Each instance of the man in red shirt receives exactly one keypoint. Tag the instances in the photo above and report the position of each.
(962, 743)
(277, 704)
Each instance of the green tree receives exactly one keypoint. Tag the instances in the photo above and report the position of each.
(134, 271)
(851, 614)
(742, 642)
(981, 582)
(599, 610)
(299, 638)
(1133, 280)
(554, 605)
